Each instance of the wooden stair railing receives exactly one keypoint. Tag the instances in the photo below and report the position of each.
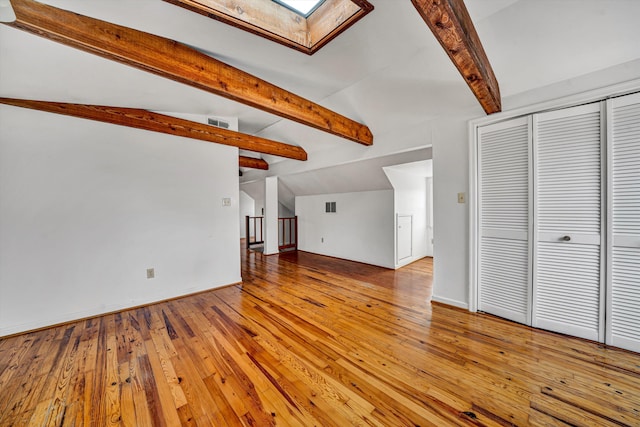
(254, 230)
(288, 233)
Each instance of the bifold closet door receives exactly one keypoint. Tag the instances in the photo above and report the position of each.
(623, 303)
(504, 275)
(568, 295)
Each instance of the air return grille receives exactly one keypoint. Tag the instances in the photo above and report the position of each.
(218, 123)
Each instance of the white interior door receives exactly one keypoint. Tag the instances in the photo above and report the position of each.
(623, 302)
(404, 237)
(567, 275)
(504, 275)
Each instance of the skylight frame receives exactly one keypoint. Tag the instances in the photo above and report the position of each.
(273, 21)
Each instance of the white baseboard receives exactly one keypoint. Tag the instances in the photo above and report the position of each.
(354, 259)
(448, 301)
(63, 318)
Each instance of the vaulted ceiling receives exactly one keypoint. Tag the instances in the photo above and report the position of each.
(387, 71)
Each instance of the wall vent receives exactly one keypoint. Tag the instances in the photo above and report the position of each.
(330, 207)
(218, 123)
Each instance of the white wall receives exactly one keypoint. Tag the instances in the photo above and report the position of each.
(362, 229)
(284, 212)
(247, 207)
(450, 218)
(286, 198)
(429, 185)
(255, 190)
(87, 207)
(410, 199)
(271, 215)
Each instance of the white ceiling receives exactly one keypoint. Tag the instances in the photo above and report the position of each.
(365, 175)
(386, 71)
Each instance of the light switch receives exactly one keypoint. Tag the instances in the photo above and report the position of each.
(226, 201)
(461, 198)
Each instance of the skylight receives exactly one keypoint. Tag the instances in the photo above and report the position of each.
(304, 25)
(303, 7)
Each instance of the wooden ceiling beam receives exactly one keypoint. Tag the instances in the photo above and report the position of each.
(156, 122)
(450, 22)
(176, 61)
(253, 163)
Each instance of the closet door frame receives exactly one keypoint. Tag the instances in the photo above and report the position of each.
(593, 95)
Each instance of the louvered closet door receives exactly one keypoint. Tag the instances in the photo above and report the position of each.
(623, 305)
(567, 291)
(504, 262)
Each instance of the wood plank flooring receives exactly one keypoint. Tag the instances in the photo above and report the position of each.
(308, 340)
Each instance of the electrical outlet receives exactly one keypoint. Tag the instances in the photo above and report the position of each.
(461, 198)
(226, 201)
(151, 273)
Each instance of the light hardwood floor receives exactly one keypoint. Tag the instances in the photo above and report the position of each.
(312, 341)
